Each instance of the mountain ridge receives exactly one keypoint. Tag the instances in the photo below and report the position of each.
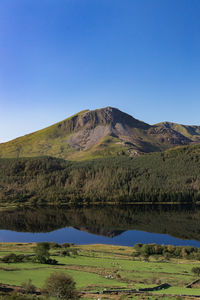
(190, 131)
(99, 133)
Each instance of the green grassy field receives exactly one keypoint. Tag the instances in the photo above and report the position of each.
(97, 267)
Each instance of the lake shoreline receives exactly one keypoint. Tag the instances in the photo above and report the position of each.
(100, 204)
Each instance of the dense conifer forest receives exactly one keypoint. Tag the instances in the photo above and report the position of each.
(170, 176)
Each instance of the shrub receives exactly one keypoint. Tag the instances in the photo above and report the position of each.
(64, 253)
(138, 246)
(28, 287)
(196, 271)
(60, 286)
(65, 245)
(54, 245)
(135, 254)
(51, 261)
(147, 249)
(13, 258)
(74, 252)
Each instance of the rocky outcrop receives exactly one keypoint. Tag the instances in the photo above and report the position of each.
(168, 135)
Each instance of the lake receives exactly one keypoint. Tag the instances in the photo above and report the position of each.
(115, 225)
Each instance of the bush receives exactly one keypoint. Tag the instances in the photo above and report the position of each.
(13, 258)
(28, 287)
(64, 253)
(54, 245)
(65, 245)
(138, 246)
(135, 254)
(74, 252)
(51, 261)
(60, 286)
(196, 271)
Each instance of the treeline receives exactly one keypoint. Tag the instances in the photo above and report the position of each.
(168, 251)
(42, 253)
(171, 176)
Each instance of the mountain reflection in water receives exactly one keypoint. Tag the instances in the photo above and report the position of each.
(181, 222)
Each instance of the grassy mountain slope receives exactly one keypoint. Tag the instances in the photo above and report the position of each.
(94, 134)
(173, 175)
(48, 141)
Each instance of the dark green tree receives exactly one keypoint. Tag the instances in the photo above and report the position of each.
(42, 254)
(60, 286)
(13, 258)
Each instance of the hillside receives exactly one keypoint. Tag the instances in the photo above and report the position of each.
(191, 132)
(170, 176)
(94, 134)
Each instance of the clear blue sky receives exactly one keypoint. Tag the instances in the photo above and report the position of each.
(58, 57)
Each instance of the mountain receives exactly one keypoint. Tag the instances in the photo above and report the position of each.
(192, 132)
(99, 133)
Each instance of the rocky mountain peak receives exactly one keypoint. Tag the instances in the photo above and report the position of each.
(106, 116)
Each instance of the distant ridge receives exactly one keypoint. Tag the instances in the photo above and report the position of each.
(100, 133)
(192, 132)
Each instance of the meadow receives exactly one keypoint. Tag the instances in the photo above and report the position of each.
(99, 267)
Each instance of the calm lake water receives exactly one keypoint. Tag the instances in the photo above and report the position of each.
(124, 225)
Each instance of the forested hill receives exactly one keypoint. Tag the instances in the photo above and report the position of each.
(173, 175)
